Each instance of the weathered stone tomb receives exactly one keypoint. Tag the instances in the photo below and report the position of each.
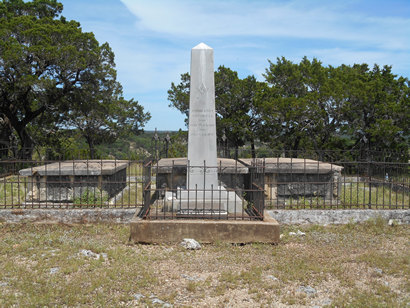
(284, 178)
(67, 180)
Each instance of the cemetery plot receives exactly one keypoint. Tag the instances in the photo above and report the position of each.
(77, 183)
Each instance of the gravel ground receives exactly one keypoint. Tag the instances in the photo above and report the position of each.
(354, 265)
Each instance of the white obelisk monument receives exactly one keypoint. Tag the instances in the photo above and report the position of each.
(202, 122)
(203, 195)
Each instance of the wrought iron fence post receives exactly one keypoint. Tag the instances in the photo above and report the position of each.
(224, 146)
(156, 138)
(369, 173)
(167, 141)
(146, 189)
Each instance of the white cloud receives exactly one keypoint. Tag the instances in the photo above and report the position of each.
(268, 18)
(153, 49)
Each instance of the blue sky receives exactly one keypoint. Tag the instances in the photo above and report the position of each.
(152, 39)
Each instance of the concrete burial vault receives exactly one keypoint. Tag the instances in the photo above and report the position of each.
(61, 182)
(202, 151)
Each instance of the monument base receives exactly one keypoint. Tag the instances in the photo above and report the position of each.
(204, 231)
(220, 201)
(212, 214)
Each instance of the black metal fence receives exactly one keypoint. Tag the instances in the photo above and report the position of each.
(167, 194)
(310, 184)
(157, 189)
(71, 184)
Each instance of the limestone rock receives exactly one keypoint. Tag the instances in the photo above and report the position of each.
(190, 243)
(90, 254)
(271, 277)
(298, 233)
(308, 290)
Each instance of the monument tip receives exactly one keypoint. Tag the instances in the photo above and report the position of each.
(202, 46)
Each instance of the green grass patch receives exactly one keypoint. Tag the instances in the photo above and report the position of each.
(352, 196)
(361, 194)
(12, 190)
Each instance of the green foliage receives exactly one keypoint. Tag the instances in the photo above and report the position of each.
(311, 107)
(236, 102)
(91, 196)
(53, 75)
(318, 107)
(12, 190)
(179, 144)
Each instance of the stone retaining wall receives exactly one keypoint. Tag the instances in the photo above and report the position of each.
(321, 217)
(66, 216)
(325, 217)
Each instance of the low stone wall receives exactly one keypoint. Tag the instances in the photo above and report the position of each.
(67, 216)
(325, 217)
(78, 216)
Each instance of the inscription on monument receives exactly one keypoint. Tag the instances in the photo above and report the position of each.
(202, 123)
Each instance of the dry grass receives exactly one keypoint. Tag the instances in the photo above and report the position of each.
(356, 265)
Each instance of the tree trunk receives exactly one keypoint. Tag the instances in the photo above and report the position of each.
(91, 147)
(26, 149)
(253, 148)
(295, 147)
(5, 134)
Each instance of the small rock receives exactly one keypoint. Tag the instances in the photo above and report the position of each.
(190, 243)
(90, 254)
(138, 296)
(308, 290)
(393, 222)
(298, 233)
(54, 270)
(3, 284)
(280, 236)
(190, 278)
(156, 300)
(271, 277)
(326, 302)
(378, 271)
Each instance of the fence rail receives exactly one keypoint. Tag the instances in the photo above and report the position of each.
(155, 189)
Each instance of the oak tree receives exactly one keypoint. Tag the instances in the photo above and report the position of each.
(52, 74)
